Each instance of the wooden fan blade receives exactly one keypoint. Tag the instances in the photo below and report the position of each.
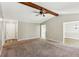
(35, 12)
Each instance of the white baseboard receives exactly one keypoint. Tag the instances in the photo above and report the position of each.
(52, 40)
(27, 39)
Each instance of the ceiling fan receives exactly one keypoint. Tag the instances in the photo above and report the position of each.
(41, 12)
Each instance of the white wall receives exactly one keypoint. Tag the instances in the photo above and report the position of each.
(28, 30)
(54, 26)
(1, 25)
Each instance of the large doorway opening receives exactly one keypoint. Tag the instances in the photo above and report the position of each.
(71, 33)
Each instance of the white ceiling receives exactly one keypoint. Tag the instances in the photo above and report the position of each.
(61, 7)
(17, 11)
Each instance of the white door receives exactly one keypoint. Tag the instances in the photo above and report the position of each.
(10, 30)
(43, 31)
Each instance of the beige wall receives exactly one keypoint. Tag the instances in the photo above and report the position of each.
(55, 26)
(28, 30)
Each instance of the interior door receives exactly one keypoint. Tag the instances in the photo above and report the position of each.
(10, 30)
(43, 31)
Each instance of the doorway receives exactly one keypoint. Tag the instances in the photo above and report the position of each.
(10, 30)
(71, 33)
(43, 31)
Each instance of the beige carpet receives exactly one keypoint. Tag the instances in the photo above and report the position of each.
(39, 48)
